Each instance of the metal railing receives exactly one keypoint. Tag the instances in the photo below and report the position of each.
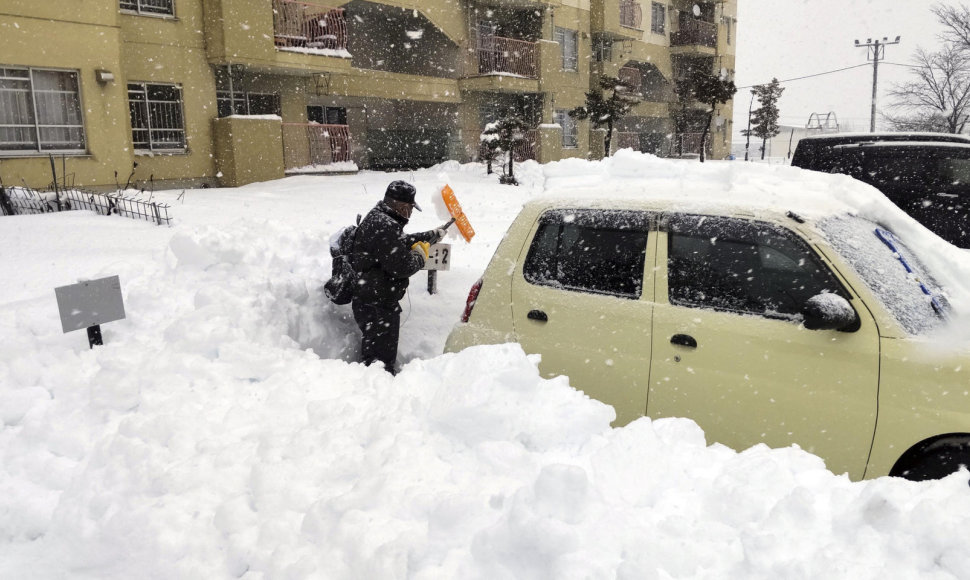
(311, 144)
(303, 25)
(690, 144)
(627, 141)
(631, 15)
(633, 78)
(497, 54)
(695, 32)
(23, 201)
(524, 151)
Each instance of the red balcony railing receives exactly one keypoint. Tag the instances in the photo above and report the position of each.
(631, 15)
(528, 149)
(497, 54)
(690, 144)
(304, 25)
(306, 144)
(633, 78)
(695, 32)
(627, 141)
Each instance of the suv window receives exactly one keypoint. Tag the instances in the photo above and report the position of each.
(743, 266)
(589, 251)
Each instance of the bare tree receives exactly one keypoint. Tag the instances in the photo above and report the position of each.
(938, 98)
(956, 20)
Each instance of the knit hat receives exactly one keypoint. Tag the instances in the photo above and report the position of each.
(402, 191)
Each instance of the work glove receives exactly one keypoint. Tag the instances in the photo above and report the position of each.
(441, 231)
(423, 249)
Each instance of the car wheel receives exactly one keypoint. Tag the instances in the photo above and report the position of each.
(934, 460)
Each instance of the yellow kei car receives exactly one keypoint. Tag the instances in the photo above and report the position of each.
(762, 327)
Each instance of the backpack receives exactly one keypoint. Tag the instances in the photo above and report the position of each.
(340, 287)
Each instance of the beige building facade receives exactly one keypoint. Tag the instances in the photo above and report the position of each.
(228, 92)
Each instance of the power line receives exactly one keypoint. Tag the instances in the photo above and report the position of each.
(812, 76)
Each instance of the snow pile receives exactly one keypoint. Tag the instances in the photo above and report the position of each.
(222, 432)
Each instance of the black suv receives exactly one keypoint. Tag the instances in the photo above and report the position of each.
(925, 174)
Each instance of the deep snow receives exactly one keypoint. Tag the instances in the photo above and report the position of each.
(219, 433)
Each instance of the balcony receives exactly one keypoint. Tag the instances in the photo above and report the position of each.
(525, 151)
(499, 55)
(633, 78)
(315, 147)
(301, 25)
(695, 33)
(689, 144)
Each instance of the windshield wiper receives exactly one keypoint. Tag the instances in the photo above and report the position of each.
(890, 240)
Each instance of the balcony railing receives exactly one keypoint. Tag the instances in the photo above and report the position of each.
(695, 32)
(631, 15)
(528, 149)
(304, 25)
(633, 78)
(690, 144)
(497, 54)
(627, 141)
(310, 144)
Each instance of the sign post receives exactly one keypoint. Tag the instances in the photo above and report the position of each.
(439, 258)
(89, 304)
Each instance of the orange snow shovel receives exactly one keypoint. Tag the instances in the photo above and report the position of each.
(451, 202)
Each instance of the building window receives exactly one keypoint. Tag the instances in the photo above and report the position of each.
(658, 18)
(242, 103)
(326, 115)
(569, 129)
(40, 110)
(603, 49)
(157, 123)
(165, 7)
(569, 43)
(728, 22)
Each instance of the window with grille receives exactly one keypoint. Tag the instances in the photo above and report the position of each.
(166, 7)
(569, 44)
(242, 103)
(157, 123)
(40, 110)
(569, 130)
(658, 18)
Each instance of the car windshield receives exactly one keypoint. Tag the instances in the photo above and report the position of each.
(891, 269)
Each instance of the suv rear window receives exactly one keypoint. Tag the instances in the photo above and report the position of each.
(602, 252)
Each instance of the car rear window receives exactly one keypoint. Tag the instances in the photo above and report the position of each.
(602, 252)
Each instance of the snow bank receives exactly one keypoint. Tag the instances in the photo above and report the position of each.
(222, 432)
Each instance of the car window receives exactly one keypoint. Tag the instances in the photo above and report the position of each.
(894, 275)
(599, 252)
(743, 266)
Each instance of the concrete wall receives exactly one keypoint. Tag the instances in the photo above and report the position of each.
(247, 150)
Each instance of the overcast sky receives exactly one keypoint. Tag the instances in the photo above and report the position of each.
(787, 39)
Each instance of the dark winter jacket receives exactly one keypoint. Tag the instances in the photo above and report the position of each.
(383, 257)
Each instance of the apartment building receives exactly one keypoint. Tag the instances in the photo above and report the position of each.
(228, 92)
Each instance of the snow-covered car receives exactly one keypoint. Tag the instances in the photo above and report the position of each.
(762, 325)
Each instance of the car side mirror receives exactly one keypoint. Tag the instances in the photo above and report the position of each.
(829, 312)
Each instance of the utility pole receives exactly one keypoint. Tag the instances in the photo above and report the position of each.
(877, 52)
(747, 144)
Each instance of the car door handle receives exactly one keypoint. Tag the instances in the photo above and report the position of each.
(537, 315)
(683, 340)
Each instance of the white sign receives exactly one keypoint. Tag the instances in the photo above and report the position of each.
(439, 257)
(90, 303)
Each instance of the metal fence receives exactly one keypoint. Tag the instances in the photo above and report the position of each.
(24, 201)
